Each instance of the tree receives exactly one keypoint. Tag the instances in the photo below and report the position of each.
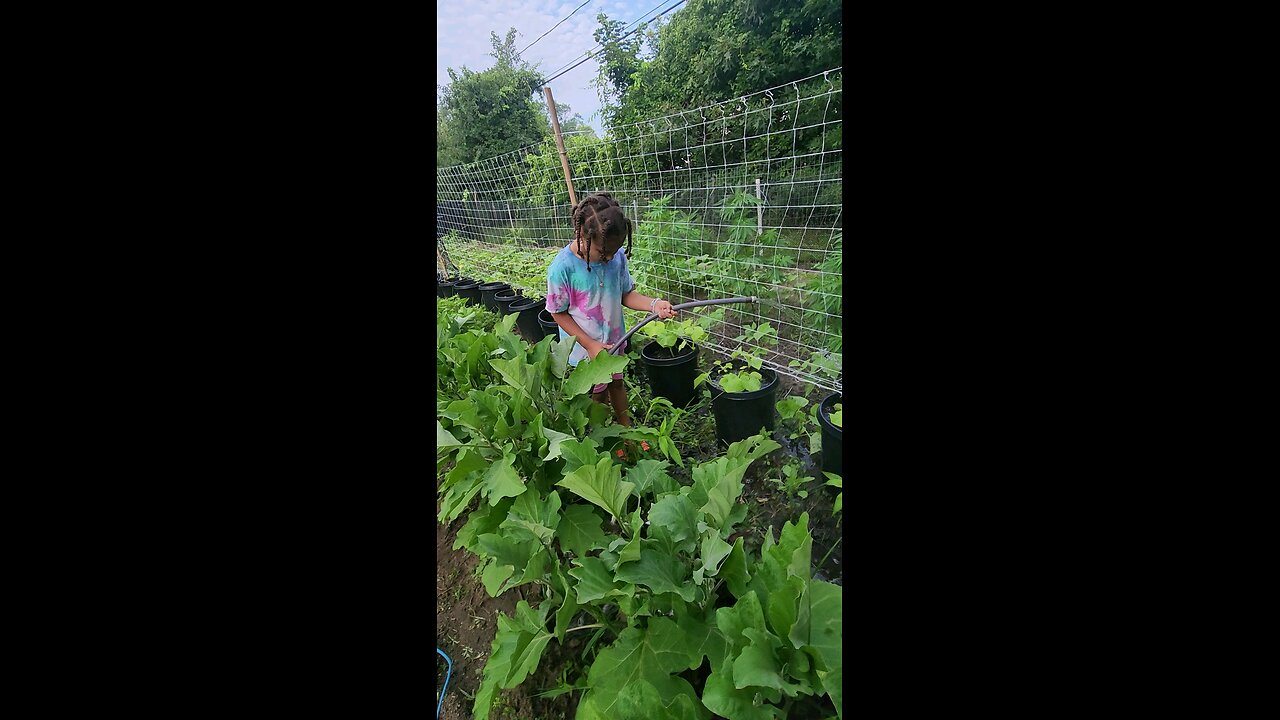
(492, 112)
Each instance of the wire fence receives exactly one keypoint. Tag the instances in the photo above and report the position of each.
(742, 197)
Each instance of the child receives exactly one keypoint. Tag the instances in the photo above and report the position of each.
(588, 285)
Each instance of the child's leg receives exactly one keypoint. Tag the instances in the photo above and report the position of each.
(618, 396)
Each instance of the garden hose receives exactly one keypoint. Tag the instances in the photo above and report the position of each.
(617, 347)
(447, 675)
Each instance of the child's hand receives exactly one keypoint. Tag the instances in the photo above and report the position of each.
(598, 349)
(663, 308)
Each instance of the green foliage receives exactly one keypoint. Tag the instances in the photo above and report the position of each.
(647, 557)
(491, 112)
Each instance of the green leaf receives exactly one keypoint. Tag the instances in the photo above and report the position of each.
(722, 698)
(714, 550)
(498, 667)
(837, 418)
(705, 640)
(484, 519)
(631, 551)
(494, 575)
(568, 608)
(577, 453)
(650, 476)
(594, 580)
(758, 664)
(675, 517)
(788, 407)
(594, 372)
(513, 371)
(560, 350)
(746, 613)
(468, 461)
(579, 530)
(831, 683)
(556, 439)
(652, 655)
(444, 438)
(659, 572)
(601, 485)
(826, 608)
(734, 570)
(534, 517)
(531, 644)
(502, 481)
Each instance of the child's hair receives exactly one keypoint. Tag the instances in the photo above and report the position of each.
(597, 217)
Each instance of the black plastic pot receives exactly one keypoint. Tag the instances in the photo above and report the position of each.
(528, 320)
(470, 289)
(671, 372)
(548, 324)
(504, 299)
(832, 437)
(739, 415)
(488, 291)
(444, 288)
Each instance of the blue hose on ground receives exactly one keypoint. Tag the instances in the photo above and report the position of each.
(447, 675)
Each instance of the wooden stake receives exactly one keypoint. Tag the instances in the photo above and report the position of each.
(564, 157)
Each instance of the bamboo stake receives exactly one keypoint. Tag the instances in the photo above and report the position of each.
(564, 157)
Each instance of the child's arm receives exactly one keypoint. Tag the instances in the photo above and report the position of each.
(646, 304)
(593, 346)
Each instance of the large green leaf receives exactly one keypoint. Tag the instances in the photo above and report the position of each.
(445, 439)
(826, 634)
(831, 683)
(560, 351)
(714, 551)
(594, 372)
(555, 438)
(630, 551)
(533, 640)
(734, 570)
(579, 530)
(468, 461)
(705, 640)
(650, 476)
(600, 484)
(536, 517)
(594, 580)
(658, 572)
(732, 621)
(758, 664)
(502, 480)
(514, 371)
(484, 519)
(723, 699)
(674, 516)
(494, 575)
(653, 655)
(568, 608)
(577, 453)
(496, 670)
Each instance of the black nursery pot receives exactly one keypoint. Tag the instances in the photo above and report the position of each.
(444, 288)
(527, 322)
(469, 290)
(671, 372)
(488, 291)
(548, 323)
(832, 437)
(741, 415)
(504, 298)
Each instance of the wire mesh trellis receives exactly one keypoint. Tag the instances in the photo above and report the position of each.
(741, 197)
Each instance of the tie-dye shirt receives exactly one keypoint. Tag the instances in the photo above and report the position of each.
(596, 309)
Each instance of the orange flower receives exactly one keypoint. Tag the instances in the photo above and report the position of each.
(644, 445)
(620, 453)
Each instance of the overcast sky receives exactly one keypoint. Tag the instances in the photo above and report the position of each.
(462, 38)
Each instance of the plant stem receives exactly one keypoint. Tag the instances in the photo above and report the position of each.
(824, 557)
(583, 627)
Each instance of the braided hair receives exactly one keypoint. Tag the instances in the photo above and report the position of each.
(596, 217)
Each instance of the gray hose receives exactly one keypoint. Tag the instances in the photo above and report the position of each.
(617, 347)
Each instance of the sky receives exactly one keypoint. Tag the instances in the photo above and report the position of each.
(462, 38)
